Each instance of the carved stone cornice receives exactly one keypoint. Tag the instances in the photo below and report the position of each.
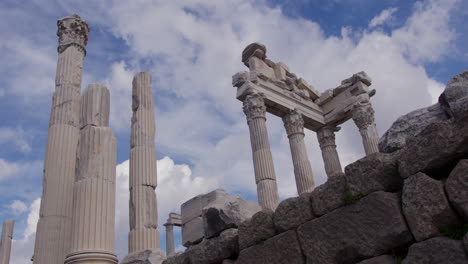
(72, 31)
(363, 115)
(293, 123)
(254, 106)
(326, 136)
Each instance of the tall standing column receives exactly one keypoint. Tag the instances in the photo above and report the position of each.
(92, 239)
(294, 125)
(363, 117)
(326, 138)
(5, 242)
(54, 226)
(143, 179)
(267, 190)
(170, 247)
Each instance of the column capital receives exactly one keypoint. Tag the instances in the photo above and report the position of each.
(363, 115)
(326, 136)
(293, 123)
(254, 106)
(72, 31)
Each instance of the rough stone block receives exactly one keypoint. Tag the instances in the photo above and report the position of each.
(425, 206)
(435, 251)
(95, 106)
(368, 228)
(283, 248)
(328, 196)
(293, 212)
(384, 259)
(454, 99)
(375, 172)
(178, 258)
(193, 207)
(227, 212)
(257, 229)
(440, 144)
(216, 249)
(408, 126)
(192, 231)
(457, 188)
(148, 256)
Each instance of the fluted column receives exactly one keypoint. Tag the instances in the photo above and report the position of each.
(265, 178)
(294, 125)
(363, 117)
(143, 179)
(326, 138)
(5, 242)
(54, 225)
(170, 247)
(92, 239)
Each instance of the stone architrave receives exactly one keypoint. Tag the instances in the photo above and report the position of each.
(54, 226)
(363, 117)
(92, 238)
(265, 177)
(5, 242)
(143, 174)
(331, 160)
(294, 125)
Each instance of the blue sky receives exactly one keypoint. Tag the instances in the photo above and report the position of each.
(192, 48)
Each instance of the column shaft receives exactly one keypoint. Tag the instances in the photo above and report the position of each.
(5, 242)
(54, 225)
(265, 177)
(294, 125)
(331, 160)
(169, 239)
(363, 117)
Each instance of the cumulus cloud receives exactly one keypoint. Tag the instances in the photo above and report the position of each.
(17, 137)
(384, 17)
(17, 207)
(7, 169)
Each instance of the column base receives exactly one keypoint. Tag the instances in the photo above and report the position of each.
(87, 257)
(150, 256)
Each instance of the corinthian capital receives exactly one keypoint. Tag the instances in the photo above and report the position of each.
(72, 31)
(326, 136)
(363, 115)
(293, 122)
(254, 106)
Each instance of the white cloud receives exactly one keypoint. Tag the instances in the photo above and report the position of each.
(17, 207)
(16, 136)
(7, 169)
(384, 17)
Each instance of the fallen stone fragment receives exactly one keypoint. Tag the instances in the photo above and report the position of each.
(457, 188)
(178, 258)
(436, 251)
(216, 249)
(283, 248)
(328, 196)
(148, 256)
(454, 99)
(293, 212)
(384, 259)
(371, 227)
(425, 206)
(259, 228)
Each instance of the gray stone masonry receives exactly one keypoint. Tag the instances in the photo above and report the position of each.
(214, 250)
(436, 251)
(456, 187)
(148, 256)
(292, 212)
(384, 259)
(454, 99)
(257, 229)
(329, 196)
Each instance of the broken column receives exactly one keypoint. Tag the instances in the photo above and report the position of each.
(331, 160)
(93, 221)
(294, 125)
(143, 178)
(265, 178)
(173, 220)
(363, 117)
(5, 242)
(54, 226)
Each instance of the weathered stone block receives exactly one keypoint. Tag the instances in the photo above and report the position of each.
(384, 259)
(368, 228)
(192, 231)
(435, 251)
(375, 172)
(227, 212)
(178, 258)
(328, 196)
(193, 207)
(425, 206)
(257, 229)
(293, 212)
(457, 188)
(216, 249)
(148, 256)
(454, 99)
(283, 248)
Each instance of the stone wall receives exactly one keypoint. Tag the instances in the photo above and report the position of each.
(407, 205)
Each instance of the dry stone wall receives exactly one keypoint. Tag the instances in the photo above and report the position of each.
(405, 204)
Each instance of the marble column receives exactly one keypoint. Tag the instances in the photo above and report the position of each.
(93, 222)
(294, 125)
(331, 160)
(54, 225)
(265, 178)
(170, 247)
(5, 242)
(143, 179)
(363, 117)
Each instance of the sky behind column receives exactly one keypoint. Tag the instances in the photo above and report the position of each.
(192, 48)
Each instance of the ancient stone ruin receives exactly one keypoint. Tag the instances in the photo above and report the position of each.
(406, 201)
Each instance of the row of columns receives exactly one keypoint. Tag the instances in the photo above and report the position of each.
(265, 177)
